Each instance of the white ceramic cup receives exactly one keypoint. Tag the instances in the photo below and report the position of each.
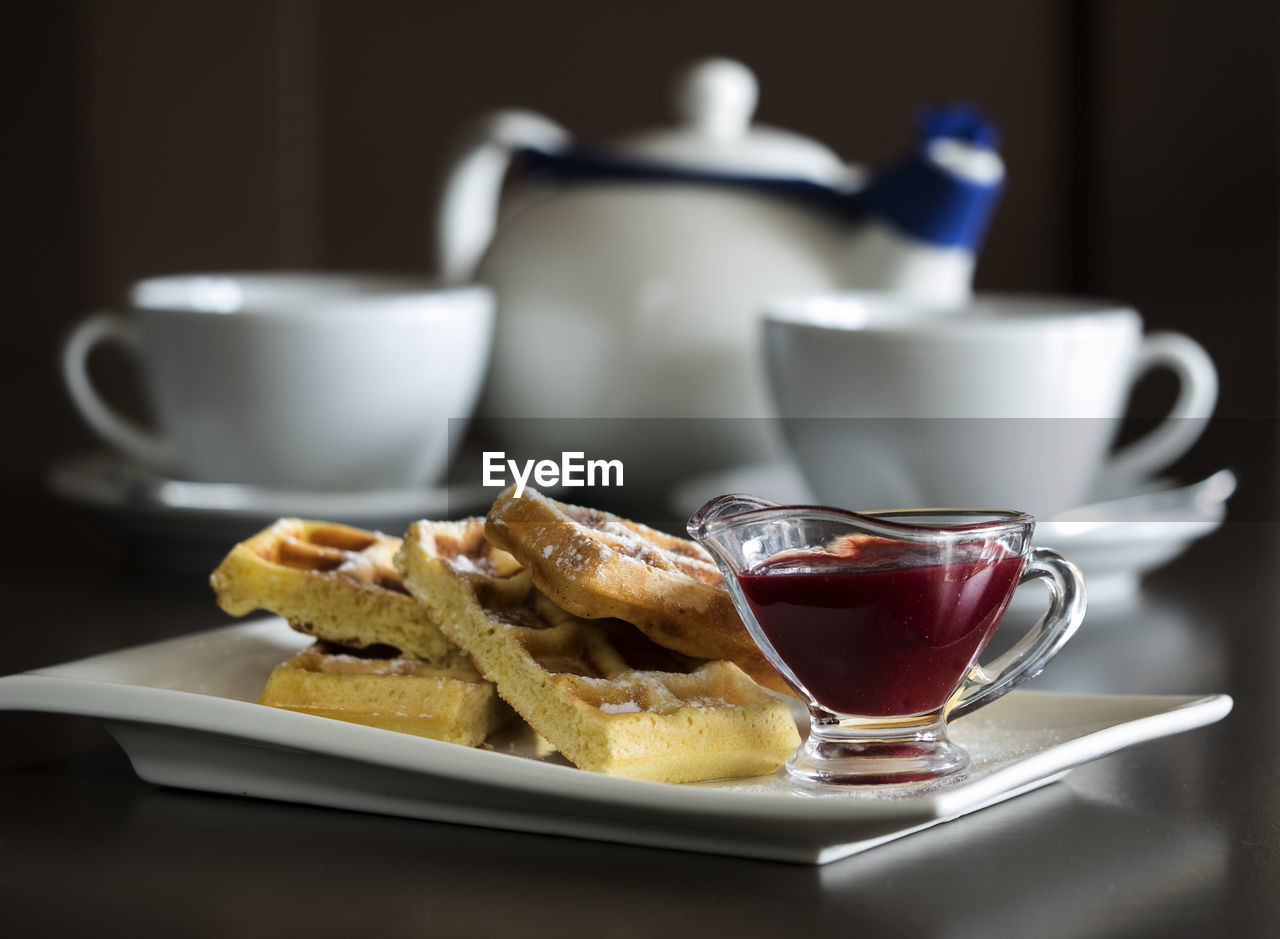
(1012, 402)
(300, 380)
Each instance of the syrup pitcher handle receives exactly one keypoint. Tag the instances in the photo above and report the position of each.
(1031, 653)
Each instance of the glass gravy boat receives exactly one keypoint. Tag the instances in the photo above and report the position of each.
(877, 620)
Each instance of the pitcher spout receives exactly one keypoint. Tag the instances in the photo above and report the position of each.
(723, 507)
(710, 526)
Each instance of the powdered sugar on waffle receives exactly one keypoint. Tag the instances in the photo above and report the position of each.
(465, 564)
(594, 533)
(624, 707)
(585, 550)
(358, 567)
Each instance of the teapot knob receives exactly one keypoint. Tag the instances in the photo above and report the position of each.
(717, 98)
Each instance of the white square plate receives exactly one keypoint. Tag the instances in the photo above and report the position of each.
(184, 711)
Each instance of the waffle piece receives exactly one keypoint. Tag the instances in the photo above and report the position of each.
(623, 706)
(595, 564)
(451, 704)
(333, 582)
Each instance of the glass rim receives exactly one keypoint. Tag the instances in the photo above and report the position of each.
(989, 521)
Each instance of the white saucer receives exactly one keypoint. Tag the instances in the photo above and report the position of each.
(1115, 541)
(165, 511)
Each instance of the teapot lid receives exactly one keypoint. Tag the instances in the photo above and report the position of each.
(715, 100)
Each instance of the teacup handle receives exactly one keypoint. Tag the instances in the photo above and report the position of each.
(126, 435)
(1185, 422)
(1028, 657)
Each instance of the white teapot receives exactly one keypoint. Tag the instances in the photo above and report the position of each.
(629, 280)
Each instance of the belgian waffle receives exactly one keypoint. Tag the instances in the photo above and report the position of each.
(334, 582)
(595, 564)
(607, 698)
(451, 704)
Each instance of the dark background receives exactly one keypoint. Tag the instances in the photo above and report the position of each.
(147, 136)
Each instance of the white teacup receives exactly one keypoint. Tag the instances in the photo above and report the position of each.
(304, 380)
(1012, 402)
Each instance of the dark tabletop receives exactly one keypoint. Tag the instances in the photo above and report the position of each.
(1178, 837)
